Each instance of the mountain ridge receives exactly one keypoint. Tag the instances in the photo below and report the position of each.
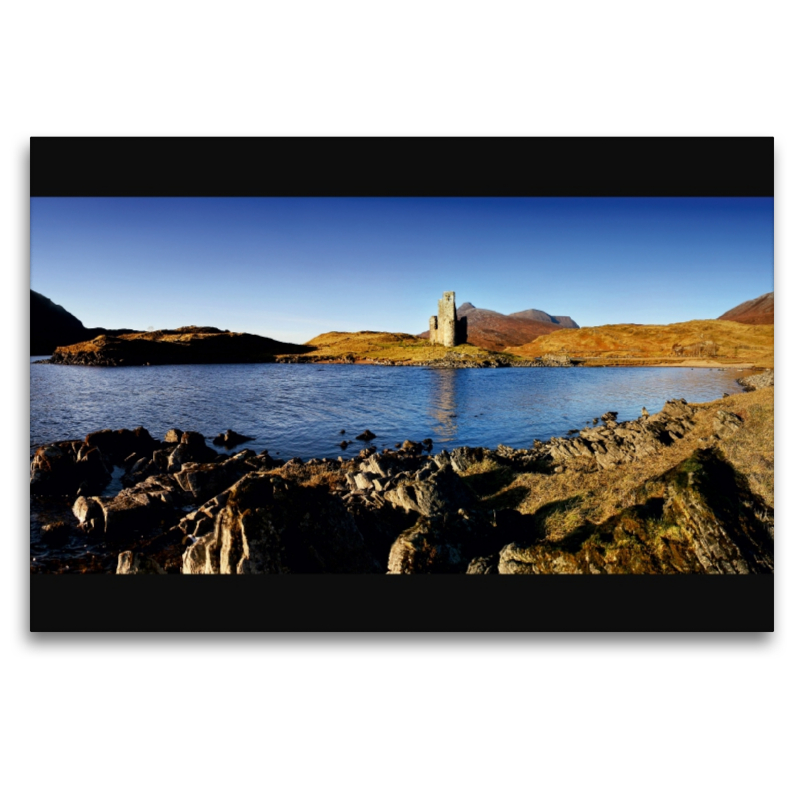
(758, 311)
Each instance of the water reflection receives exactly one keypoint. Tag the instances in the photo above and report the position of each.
(442, 404)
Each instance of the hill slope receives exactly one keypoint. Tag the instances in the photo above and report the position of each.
(396, 348)
(717, 341)
(53, 326)
(760, 311)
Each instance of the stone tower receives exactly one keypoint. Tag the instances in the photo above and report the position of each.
(446, 328)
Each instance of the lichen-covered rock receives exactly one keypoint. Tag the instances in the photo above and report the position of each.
(272, 525)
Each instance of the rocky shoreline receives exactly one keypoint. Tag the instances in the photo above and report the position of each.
(122, 501)
(760, 380)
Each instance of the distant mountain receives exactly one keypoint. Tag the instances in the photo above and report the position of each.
(492, 330)
(543, 316)
(53, 326)
(760, 311)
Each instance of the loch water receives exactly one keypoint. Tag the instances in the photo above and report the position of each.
(300, 409)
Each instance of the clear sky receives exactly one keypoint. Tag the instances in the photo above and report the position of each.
(292, 268)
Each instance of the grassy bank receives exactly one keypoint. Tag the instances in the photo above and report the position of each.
(400, 348)
(562, 503)
(696, 343)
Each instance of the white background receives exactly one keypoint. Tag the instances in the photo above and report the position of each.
(701, 716)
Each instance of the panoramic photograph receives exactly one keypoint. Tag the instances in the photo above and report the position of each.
(401, 385)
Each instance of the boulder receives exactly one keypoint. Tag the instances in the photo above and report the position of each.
(192, 449)
(130, 563)
(431, 546)
(204, 481)
(366, 436)
(726, 423)
(231, 439)
(117, 445)
(483, 565)
(66, 468)
(431, 492)
(443, 543)
(173, 435)
(149, 505)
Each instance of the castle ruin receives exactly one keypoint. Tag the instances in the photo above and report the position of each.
(446, 328)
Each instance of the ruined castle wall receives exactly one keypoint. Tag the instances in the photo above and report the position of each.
(434, 329)
(446, 328)
(447, 319)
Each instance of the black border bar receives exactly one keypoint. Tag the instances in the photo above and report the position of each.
(405, 603)
(395, 166)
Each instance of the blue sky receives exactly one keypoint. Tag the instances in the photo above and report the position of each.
(291, 268)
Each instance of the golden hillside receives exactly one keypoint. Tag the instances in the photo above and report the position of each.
(700, 342)
(394, 347)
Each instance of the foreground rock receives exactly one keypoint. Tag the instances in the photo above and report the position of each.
(269, 525)
(66, 468)
(186, 508)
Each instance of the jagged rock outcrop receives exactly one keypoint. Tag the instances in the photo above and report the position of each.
(432, 491)
(272, 525)
(66, 468)
(153, 503)
(609, 444)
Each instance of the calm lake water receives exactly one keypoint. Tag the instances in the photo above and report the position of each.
(300, 409)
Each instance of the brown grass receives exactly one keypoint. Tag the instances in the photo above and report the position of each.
(653, 344)
(365, 346)
(563, 502)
